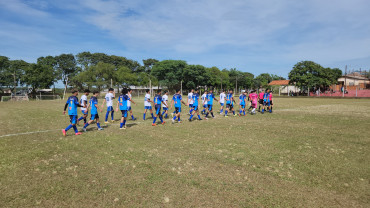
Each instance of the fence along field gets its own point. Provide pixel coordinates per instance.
(309, 152)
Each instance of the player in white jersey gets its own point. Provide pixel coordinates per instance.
(109, 100)
(204, 101)
(83, 102)
(165, 100)
(190, 100)
(129, 94)
(147, 105)
(222, 100)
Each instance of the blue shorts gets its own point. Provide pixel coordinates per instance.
(190, 105)
(157, 109)
(124, 113)
(94, 116)
(165, 109)
(221, 104)
(148, 107)
(266, 103)
(229, 106)
(178, 110)
(128, 108)
(210, 107)
(110, 108)
(243, 106)
(85, 112)
(195, 107)
(73, 119)
(204, 106)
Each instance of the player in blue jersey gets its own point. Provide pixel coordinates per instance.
(195, 98)
(93, 104)
(83, 102)
(147, 105)
(230, 103)
(123, 100)
(72, 104)
(177, 100)
(266, 100)
(158, 100)
(242, 102)
(210, 97)
(165, 104)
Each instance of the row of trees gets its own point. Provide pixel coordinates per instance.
(98, 70)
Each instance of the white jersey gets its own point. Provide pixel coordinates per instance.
(109, 98)
(164, 99)
(190, 98)
(146, 102)
(83, 101)
(222, 98)
(129, 101)
(204, 99)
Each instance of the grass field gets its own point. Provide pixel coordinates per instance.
(308, 153)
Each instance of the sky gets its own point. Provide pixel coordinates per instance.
(254, 36)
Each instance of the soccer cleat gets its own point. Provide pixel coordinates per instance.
(189, 119)
(64, 132)
(200, 119)
(123, 127)
(84, 129)
(205, 118)
(112, 121)
(100, 129)
(154, 124)
(173, 121)
(179, 122)
(234, 115)
(134, 119)
(226, 116)
(78, 133)
(106, 122)
(163, 122)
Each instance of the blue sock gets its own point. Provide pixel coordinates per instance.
(85, 121)
(120, 125)
(160, 117)
(75, 128)
(106, 116)
(207, 114)
(199, 117)
(221, 111)
(191, 110)
(234, 112)
(240, 111)
(225, 112)
(155, 118)
(69, 127)
(152, 115)
(178, 118)
(98, 124)
(132, 116)
(191, 117)
(144, 116)
(263, 109)
(86, 125)
(80, 118)
(244, 112)
(212, 114)
(112, 115)
(124, 122)
(174, 118)
(166, 116)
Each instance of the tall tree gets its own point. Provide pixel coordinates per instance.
(169, 72)
(17, 68)
(306, 74)
(38, 76)
(66, 66)
(5, 73)
(148, 64)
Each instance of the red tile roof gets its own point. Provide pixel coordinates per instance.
(279, 82)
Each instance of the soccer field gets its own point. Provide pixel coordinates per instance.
(308, 153)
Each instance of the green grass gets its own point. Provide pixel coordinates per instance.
(309, 152)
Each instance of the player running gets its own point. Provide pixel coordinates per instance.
(158, 100)
(109, 99)
(242, 101)
(83, 102)
(129, 94)
(195, 99)
(230, 103)
(222, 100)
(204, 101)
(260, 100)
(94, 111)
(123, 100)
(147, 105)
(177, 100)
(72, 104)
(210, 98)
(165, 104)
(190, 101)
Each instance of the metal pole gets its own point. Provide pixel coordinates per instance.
(150, 87)
(65, 88)
(345, 80)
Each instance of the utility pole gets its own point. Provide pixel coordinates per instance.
(236, 84)
(345, 81)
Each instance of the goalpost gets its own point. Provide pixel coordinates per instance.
(48, 97)
(14, 98)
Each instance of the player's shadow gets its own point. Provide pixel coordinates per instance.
(131, 124)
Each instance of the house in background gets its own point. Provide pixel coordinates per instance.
(352, 81)
(284, 87)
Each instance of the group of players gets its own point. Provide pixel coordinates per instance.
(194, 101)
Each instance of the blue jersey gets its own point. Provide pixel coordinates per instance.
(177, 99)
(266, 97)
(195, 98)
(229, 97)
(210, 97)
(122, 102)
(158, 99)
(242, 99)
(93, 102)
(72, 105)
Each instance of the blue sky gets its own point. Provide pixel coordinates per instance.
(250, 35)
